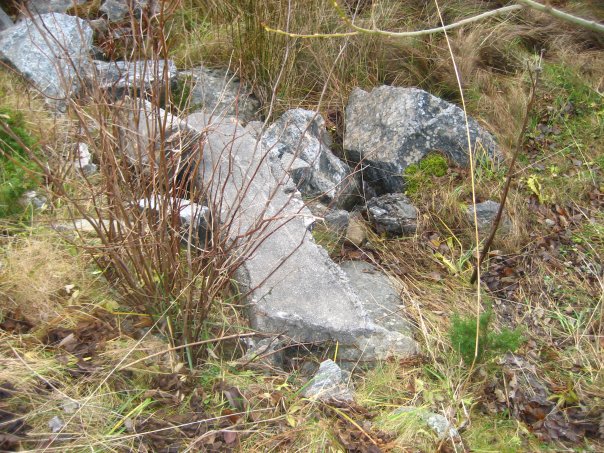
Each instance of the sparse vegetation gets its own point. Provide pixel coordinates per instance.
(95, 328)
(17, 172)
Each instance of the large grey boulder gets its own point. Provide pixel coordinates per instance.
(219, 92)
(133, 77)
(291, 284)
(52, 51)
(301, 142)
(393, 214)
(390, 128)
(378, 296)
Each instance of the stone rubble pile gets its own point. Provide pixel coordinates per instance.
(292, 286)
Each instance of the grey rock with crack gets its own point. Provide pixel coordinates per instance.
(220, 93)
(52, 50)
(301, 142)
(330, 383)
(390, 128)
(393, 214)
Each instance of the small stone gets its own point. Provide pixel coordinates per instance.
(114, 10)
(438, 423)
(485, 214)
(34, 199)
(56, 424)
(355, 233)
(70, 406)
(330, 383)
(550, 223)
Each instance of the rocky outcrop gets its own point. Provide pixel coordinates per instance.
(301, 142)
(390, 128)
(291, 284)
(393, 214)
(220, 93)
(52, 51)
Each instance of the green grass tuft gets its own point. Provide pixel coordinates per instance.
(463, 338)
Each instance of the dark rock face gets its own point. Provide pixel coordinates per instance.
(393, 214)
(220, 93)
(300, 140)
(52, 51)
(391, 128)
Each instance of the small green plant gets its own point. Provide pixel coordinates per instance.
(419, 175)
(463, 338)
(15, 168)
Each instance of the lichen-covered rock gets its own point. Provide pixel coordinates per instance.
(393, 214)
(391, 128)
(220, 93)
(301, 141)
(52, 50)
